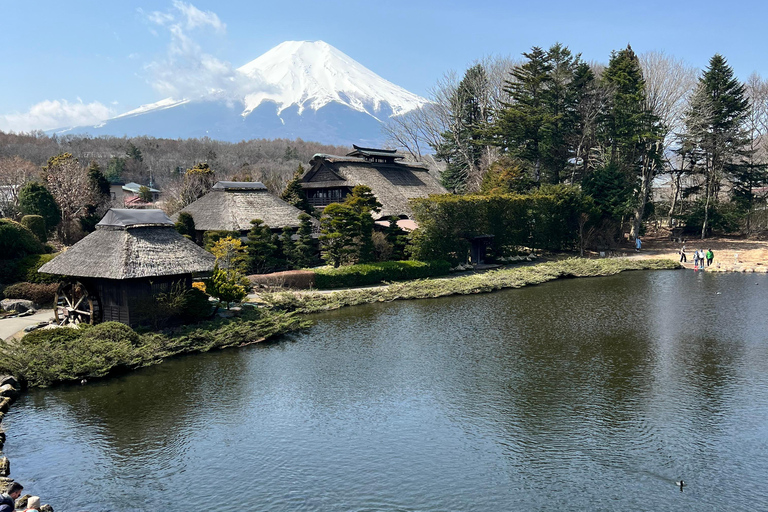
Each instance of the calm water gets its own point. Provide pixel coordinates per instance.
(588, 394)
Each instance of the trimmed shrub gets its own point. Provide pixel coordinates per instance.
(35, 199)
(375, 273)
(17, 241)
(185, 225)
(27, 269)
(301, 279)
(41, 294)
(36, 224)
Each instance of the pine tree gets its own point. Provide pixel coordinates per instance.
(715, 129)
(261, 248)
(630, 130)
(35, 199)
(398, 238)
(294, 193)
(538, 124)
(461, 146)
(288, 247)
(305, 250)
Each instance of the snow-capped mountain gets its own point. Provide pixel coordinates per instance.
(305, 89)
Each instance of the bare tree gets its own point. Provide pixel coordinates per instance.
(68, 182)
(15, 172)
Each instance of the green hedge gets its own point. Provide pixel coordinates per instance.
(49, 356)
(545, 219)
(375, 273)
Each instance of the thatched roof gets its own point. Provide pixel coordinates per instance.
(393, 183)
(131, 244)
(232, 205)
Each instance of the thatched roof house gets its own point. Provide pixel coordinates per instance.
(132, 255)
(232, 205)
(393, 182)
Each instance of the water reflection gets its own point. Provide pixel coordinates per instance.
(589, 394)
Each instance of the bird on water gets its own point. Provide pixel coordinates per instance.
(680, 484)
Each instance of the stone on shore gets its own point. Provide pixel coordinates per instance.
(9, 391)
(17, 305)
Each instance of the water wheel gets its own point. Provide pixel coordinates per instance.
(76, 305)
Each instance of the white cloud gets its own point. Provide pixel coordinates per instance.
(49, 114)
(187, 71)
(195, 18)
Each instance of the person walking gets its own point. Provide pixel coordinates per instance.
(638, 244)
(696, 260)
(683, 258)
(710, 257)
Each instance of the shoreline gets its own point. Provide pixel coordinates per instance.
(486, 282)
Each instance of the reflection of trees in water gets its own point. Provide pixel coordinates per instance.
(158, 406)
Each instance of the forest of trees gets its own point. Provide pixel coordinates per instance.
(122, 159)
(617, 131)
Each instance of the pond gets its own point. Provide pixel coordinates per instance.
(583, 394)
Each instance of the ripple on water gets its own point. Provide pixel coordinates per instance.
(589, 394)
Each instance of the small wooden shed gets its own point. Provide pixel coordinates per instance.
(115, 272)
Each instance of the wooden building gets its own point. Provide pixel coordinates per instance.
(331, 178)
(232, 205)
(115, 272)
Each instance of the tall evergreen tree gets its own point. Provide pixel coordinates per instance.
(715, 128)
(294, 193)
(630, 130)
(462, 145)
(539, 123)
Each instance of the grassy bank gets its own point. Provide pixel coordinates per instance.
(515, 277)
(50, 356)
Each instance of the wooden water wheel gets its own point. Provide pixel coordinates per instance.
(76, 305)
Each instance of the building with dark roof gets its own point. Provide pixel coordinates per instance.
(331, 178)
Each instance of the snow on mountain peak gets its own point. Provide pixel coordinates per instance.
(312, 74)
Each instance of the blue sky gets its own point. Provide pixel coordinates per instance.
(72, 62)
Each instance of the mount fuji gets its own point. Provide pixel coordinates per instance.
(298, 89)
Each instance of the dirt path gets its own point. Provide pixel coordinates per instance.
(731, 254)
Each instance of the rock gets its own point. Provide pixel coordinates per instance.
(9, 379)
(17, 305)
(35, 327)
(5, 483)
(21, 502)
(5, 403)
(9, 391)
(46, 508)
(5, 466)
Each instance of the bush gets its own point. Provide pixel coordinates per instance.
(17, 241)
(41, 294)
(35, 199)
(65, 354)
(27, 269)
(301, 279)
(36, 224)
(374, 273)
(48, 356)
(185, 225)
(178, 305)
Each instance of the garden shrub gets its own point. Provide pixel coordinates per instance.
(27, 269)
(36, 224)
(374, 273)
(41, 294)
(17, 241)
